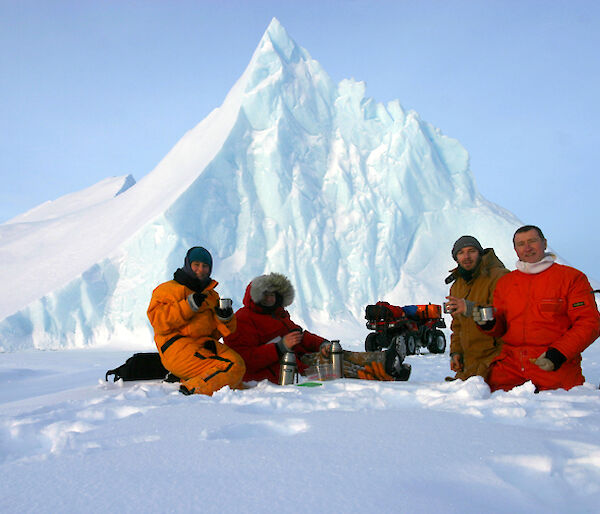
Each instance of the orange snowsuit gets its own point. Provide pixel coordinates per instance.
(552, 309)
(188, 340)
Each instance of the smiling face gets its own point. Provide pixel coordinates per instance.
(468, 258)
(200, 269)
(269, 298)
(530, 247)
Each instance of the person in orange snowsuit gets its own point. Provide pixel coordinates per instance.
(546, 314)
(188, 324)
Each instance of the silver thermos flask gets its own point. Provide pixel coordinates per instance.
(287, 369)
(337, 359)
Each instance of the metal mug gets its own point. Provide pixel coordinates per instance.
(225, 303)
(486, 313)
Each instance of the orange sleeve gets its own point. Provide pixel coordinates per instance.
(584, 316)
(168, 312)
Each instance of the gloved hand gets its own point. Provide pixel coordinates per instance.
(224, 313)
(550, 360)
(543, 362)
(195, 300)
(485, 324)
(476, 315)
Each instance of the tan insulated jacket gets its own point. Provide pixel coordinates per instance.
(477, 349)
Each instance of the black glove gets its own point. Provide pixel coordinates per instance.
(195, 300)
(224, 313)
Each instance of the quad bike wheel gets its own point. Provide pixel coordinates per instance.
(399, 344)
(411, 344)
(372, 343)
(436, 341)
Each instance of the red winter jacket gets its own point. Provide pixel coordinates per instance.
(255, 330)
(554, 308)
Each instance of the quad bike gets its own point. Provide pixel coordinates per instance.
(408, 328)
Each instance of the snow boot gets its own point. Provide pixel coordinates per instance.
(171, 378)
(394, 361)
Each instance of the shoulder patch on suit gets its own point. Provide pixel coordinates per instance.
(578, 304)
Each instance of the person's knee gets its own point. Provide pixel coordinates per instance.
(238, 368)
(229, 371)
(561, 379)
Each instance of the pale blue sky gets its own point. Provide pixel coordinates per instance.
(90, 89)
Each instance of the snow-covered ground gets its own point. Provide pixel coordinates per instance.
(71, 442)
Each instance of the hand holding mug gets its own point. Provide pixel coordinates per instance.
(292, 339)
(224, 310)
(325, 349)
(455, 305)
(482, 315)
(225, 303)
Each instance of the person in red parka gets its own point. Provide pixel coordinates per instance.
(265, 332)
(546, 314)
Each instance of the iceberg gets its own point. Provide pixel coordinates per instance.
(354, 200)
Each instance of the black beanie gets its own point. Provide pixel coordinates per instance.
(197, 254)
(463, 242)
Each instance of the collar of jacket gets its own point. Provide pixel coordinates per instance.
(467, 276)
(533, 268)
(181, 277)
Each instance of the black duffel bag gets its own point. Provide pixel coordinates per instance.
(140, 366)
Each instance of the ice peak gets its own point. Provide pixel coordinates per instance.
(282, 81)
(276, 50)
(279, 38)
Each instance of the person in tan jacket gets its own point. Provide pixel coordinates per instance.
(188, 323)
(475, 277)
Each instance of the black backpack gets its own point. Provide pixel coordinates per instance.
(140, 366)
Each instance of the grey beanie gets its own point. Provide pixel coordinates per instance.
(463, 242)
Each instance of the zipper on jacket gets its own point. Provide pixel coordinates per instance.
(526, 316)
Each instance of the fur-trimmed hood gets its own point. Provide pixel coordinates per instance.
(275, 282)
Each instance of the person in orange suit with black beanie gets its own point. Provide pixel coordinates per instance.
(188, 323)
